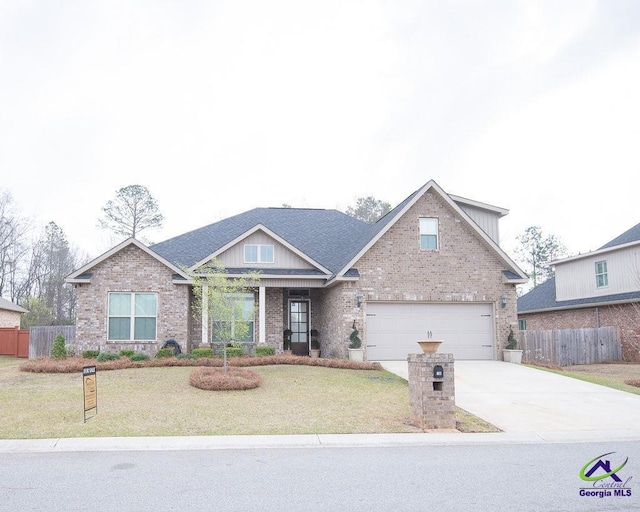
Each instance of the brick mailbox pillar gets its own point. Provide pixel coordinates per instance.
(431, 391)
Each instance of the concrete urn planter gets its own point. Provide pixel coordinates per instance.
(512, 356)
(356, 354)
(430, 346)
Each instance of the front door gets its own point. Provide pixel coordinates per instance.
(299, 325)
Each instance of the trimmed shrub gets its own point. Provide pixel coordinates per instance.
(71, 350)
(126, 352)
(216, 379)
(90, 354)
(165, 352)
(58, 351)
(202, 352)
(265, 350)
(187, 356)
(107, 356)
(137, 356)
(235, 351)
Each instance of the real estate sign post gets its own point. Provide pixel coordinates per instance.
(90, 390)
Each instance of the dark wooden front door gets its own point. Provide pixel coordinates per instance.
(299, 325)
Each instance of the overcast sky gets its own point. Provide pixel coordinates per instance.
(220, 107)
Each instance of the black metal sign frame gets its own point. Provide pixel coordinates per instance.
(90, 390)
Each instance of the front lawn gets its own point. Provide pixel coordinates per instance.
(158, 401)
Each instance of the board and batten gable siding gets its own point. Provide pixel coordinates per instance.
(488, 221)
(464, 268)
(576, 279)
(131, 270)
(283, 257)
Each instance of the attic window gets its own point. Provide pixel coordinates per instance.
(254, 253)
(602, 278)
(428, 233)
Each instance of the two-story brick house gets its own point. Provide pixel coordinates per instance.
(596, 289)
(432, 266)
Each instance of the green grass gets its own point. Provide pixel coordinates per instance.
(602, 380)
(160, 402)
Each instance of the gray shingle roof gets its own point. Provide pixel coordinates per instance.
(329, 237)
(631, 235)
(543, 297)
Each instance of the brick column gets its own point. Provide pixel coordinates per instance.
(432, 397)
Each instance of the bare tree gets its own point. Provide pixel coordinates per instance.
(13, 246)
(44, 286)
(537, 251)
(132, 211)
(368, 209)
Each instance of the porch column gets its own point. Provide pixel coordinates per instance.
(262, 338)
(205, 314)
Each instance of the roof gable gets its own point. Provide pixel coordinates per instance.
(323, 237)
(385, 223)
(273, 237)
(83, 274)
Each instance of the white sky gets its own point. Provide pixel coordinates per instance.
(220, 107)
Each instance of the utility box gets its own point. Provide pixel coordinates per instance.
(432, 391)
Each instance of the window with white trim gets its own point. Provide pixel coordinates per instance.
(602, 278)
(428, 233)
(240, 311)
(132, 316)
(257, 253)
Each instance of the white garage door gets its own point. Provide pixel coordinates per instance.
(394, 328)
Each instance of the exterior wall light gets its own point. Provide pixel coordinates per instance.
(359, 297)
(504, 300)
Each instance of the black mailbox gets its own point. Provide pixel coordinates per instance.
(438, 373)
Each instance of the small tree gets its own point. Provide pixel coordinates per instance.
(133, 210)
(225, 300)
(58, 351)
(354, 339)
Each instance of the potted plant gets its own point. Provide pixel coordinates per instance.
(356, 352)
(315, 344)
(510, 353)
(286, 342)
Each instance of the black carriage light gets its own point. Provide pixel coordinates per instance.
(504, 300)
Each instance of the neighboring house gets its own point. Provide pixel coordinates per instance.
(596, 289)
(431, 266)
(10, 313)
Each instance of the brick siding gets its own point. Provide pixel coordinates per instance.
(131, 270)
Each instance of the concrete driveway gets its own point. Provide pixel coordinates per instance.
(519, 399)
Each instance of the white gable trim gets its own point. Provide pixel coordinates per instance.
(433, 185)
(267, 231)
(73, 278)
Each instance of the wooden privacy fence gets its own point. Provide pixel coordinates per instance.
(14, 342)
(571, 346)
(41, 339)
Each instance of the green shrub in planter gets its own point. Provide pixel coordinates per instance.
(265, 350)
(90, 354)
(58, 351)
(165, 352)
(127, 352)
(202, 352)
(235, 351)
(137, 356)
(107, 356)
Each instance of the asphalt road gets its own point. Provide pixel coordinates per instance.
(495, 477)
